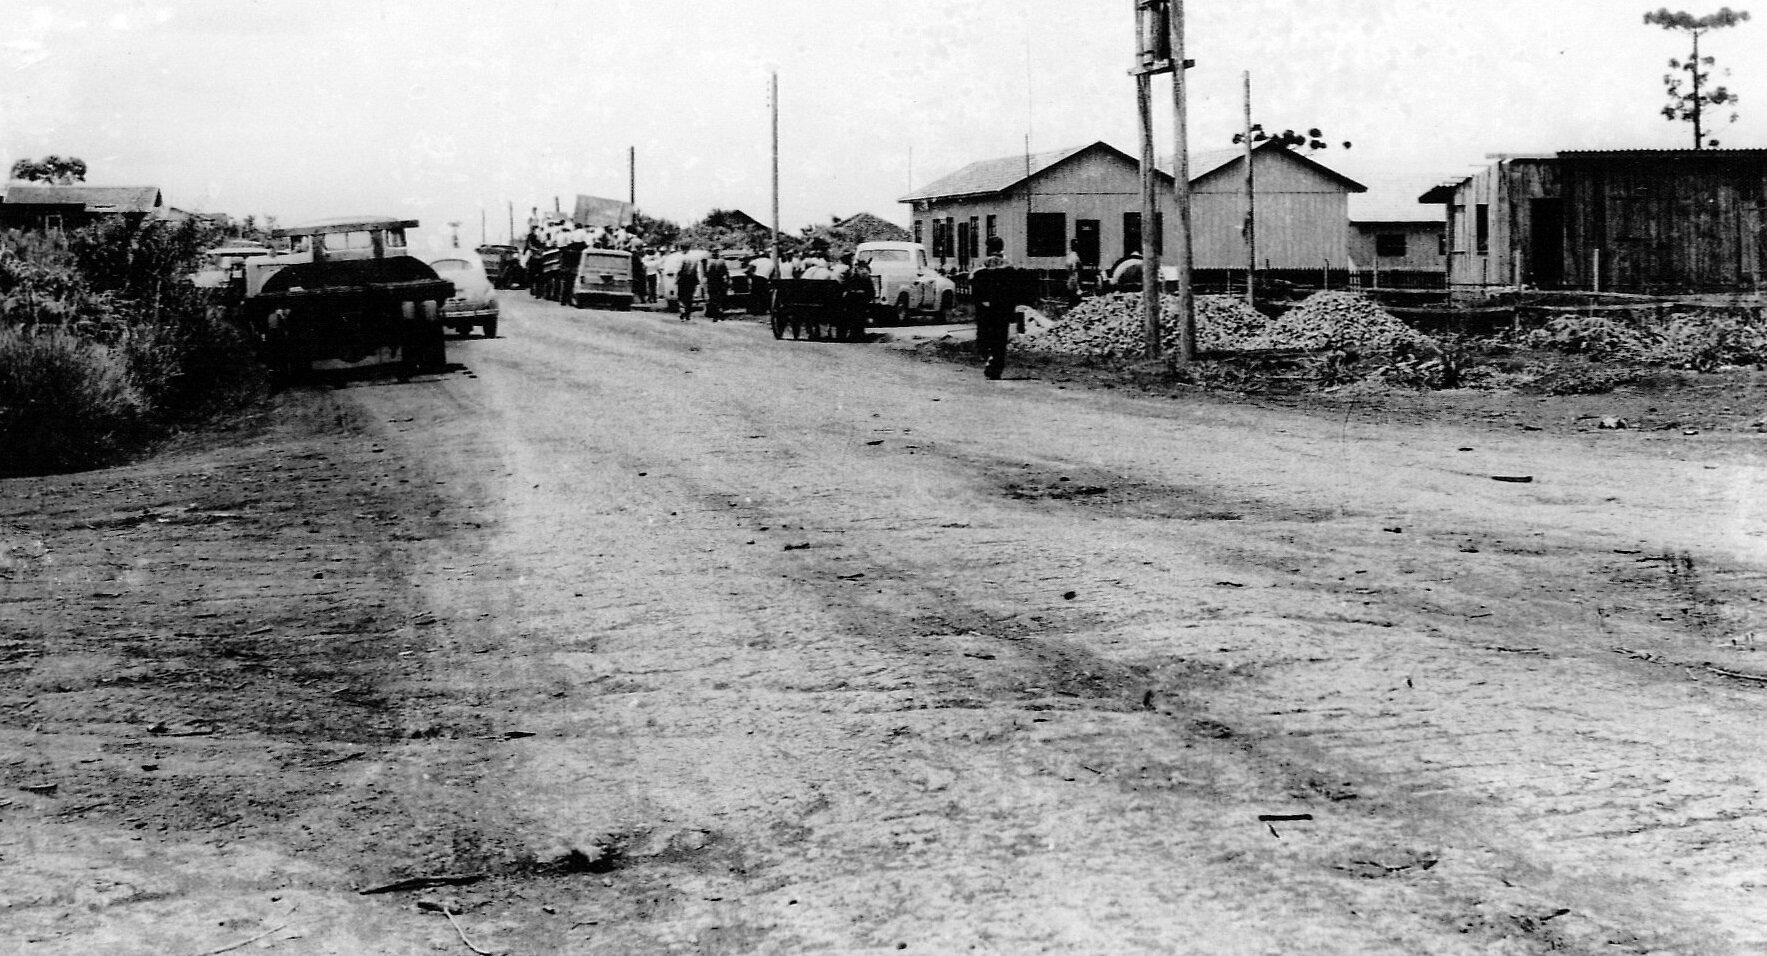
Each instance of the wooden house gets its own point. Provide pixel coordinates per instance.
(1041, 202)
(1645, 221)
(1398, 243)
(50, 207)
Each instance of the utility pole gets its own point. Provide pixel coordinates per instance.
(1251, 203)
(1159, 48)
(484, 239)
(1182, 255)
(1150, 41)
(773, 100)
(511, 221)
(632, 176)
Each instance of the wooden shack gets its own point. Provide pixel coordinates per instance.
(1643, 221)
(1664, 221)
(52, 207)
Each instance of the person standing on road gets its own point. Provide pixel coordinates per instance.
(717, 284)
(997, 290)
(640, 277)
(686, 285)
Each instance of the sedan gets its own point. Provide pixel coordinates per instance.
(474, 302)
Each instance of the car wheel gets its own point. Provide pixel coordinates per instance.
(903, 313)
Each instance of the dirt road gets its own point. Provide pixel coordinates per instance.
(629, 636)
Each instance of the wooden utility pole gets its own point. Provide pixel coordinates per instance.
(632, 176)
(1182, 254)
(1251, 203)
(773, 99)
(511, 222)
(1151, 39)
(484, 238)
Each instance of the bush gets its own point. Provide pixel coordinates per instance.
(107, 342)
(65, 403)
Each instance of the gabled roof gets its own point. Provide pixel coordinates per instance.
(116, 199)
(998, 175)
(1214, 160)
(869, 227)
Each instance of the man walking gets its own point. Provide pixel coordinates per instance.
(686, 285)
(717, 284)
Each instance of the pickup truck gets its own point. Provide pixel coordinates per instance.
(906, 282)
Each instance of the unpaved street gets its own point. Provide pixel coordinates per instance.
(630, 636)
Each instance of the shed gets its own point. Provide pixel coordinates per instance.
(42, 206)
(1644, 221)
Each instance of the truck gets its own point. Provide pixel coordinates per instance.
(907, 284)
(347, 293)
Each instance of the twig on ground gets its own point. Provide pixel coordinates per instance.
(245, 942)
(462, 934)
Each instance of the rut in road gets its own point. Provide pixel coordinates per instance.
(825, 642)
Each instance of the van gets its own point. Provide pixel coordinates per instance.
(604, 279)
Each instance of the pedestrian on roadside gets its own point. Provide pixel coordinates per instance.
(687, 285)
(997, 290)
(717, 284)
(640, 276)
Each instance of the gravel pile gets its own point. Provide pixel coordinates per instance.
(1110, 325)
(1344, 321)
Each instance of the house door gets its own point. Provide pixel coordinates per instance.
(1546, 245)
(1086, 234)
(1751, 245)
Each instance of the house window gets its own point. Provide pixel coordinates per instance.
(1046, 234)
(1132, 233)
(1389, 245)
(992, 223)
(917, 239)
(1482, 228)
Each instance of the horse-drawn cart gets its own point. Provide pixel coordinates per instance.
(819, 310)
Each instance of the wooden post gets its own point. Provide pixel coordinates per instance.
(1251, 204)
(511, 222)
(632, 175)
(1181, 253)
(773, 97)
(1150, 200)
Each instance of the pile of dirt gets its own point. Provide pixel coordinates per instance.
(1344, 322)
(1110, 325)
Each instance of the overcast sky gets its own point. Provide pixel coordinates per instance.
(442, 109)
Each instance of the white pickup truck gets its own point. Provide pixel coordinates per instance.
(906, 282)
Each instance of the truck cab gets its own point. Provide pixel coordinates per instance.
(905, 280)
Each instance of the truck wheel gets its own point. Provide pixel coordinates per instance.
(490, 328)
(945, 303)
(903, 313)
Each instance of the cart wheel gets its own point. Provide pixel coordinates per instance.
(778, 326)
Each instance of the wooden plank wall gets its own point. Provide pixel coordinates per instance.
(1692, 224)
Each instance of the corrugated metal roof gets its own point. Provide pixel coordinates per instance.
(1664, 152)
(997, 175)
(126, 199)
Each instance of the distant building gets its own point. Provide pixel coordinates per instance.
(50, 207)
(1041, 202)
(1645, 221)
(865, 227)
(1398, 245)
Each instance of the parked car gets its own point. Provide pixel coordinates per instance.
(474, 302)
(603, 278)
(503, 265)
(906, 281)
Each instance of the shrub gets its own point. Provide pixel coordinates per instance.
(65, 403)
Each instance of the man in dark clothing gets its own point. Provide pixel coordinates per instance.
(686, 285)
(997, 290)
(639, 282)
(717, 284)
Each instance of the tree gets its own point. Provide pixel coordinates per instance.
(1687, 83)
(1312, 140)
(51, 169)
